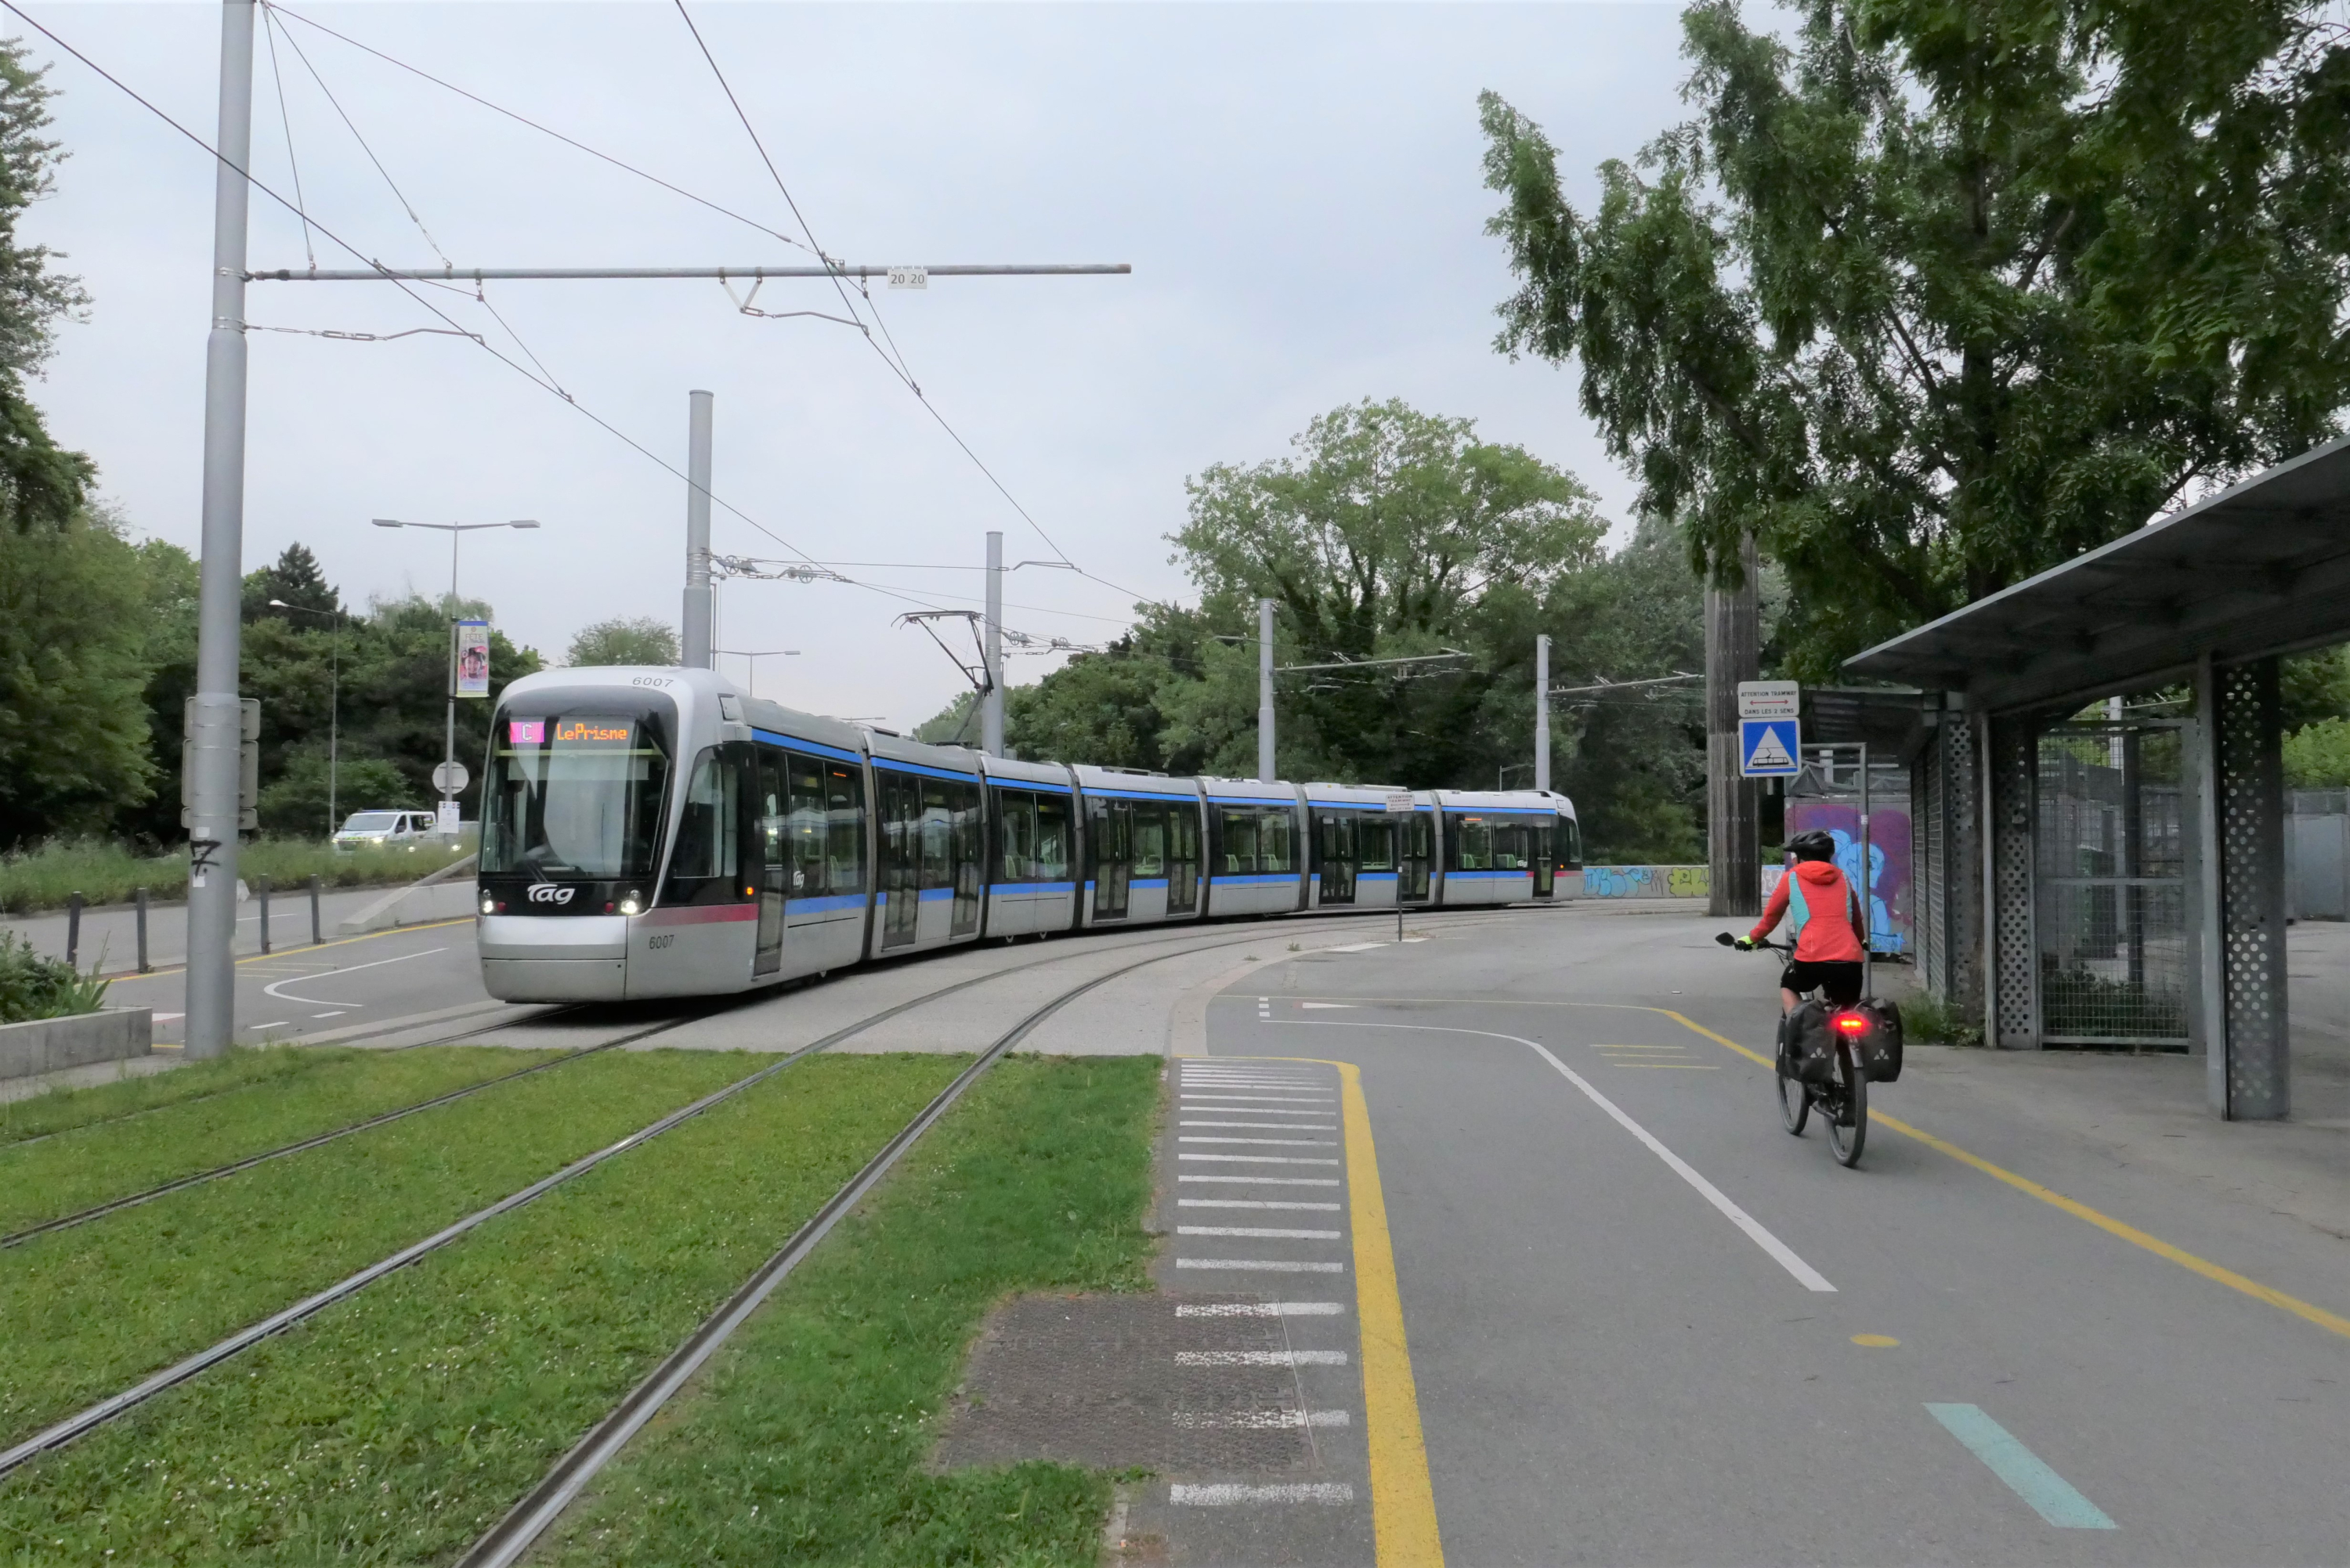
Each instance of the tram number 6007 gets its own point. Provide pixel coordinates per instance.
(656, 943)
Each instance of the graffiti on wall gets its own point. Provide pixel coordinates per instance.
(1889, 860)
(1647, 881)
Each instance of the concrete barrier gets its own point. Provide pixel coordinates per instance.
(47, 1045)
(438, 896)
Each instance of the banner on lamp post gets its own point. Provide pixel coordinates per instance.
(473, 659)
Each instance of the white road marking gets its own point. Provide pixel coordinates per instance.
(1327, 1006)
(336, 1014)
(1258, 1159)
(271, 988)
(168, 1017)
(1248, 1203)
(1269, 1142)
(1266, 1099)
(1268, 1230)
(1267, 1180)
(1268, 1265)
(1259, 1420)
(1356, 947)
(1260, 1358)
(1228, 1495)
(1780, 1252)
(1261, 1309)
(281, 1024)
(1270, 1127)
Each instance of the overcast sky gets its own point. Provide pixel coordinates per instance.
(1296, 187)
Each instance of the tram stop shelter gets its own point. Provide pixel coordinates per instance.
(2119, 881)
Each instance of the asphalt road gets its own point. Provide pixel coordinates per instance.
(1609, 1365)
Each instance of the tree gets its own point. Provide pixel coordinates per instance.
(293, 804)
(1937, 296)
(640, 639)
(297, 580)
(40, 482)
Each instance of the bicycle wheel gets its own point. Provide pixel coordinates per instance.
(1794, 1099)
(1848, 1118)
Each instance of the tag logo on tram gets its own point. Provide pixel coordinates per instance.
(550, 893)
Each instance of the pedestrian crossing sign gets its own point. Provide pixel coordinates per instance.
(1767, 748)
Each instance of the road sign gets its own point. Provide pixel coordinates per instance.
(449, 777)
(1768, 748)
(447, 826)
(1769, 698)
(1400, 800)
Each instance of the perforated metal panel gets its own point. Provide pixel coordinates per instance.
(2015, 978)
(1962, 905)
(1929, 839)
(2251, 810)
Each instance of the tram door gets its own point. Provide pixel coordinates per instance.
(768, 852)
(1336, 835)
(1113, 856)
(1182, 859)
(1545, 864)
(970, 861)
(901, 856)
(1418, 854)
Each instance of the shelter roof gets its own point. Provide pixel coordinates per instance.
(2262, 568)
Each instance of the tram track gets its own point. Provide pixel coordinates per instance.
(66, 1431)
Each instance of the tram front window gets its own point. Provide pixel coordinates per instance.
(573, 796)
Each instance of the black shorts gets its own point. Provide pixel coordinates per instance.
(1840, 982)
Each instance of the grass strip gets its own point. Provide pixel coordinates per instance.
(61, 1110)
(104, 872)
(806, 1440)
(91, 1165)
(90, 1311)
(395, 1426)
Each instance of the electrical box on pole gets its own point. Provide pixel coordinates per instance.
(248, 763)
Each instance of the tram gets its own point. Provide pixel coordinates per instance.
(655, 832)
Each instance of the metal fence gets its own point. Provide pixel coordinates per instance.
(2110, 875)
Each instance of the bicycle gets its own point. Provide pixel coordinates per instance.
(1843, 1099)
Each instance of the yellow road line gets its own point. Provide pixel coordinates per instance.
(1403, 1503)
(286, 955)
(2332, 1321)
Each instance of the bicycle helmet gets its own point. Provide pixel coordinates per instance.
(1812, 846)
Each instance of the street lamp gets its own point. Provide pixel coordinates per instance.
(756, 656)
(333, 700)
(455, 532)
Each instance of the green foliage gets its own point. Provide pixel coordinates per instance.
(956, 724)
(1933, 297)
(295, 806)
(639, 640)
(1929, 1020)
(2317, 756)
(32, 986)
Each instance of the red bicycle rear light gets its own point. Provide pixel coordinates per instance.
(1852, 1022)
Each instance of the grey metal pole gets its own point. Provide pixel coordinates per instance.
(144, 967)
(699, 633)
(991, 720)
(1867, 910)
(335, 727)
(448, 741)
(261, 888)
(214, 748)
(1542, 713)
(1265, 691)
(73, 930)
(317, 934)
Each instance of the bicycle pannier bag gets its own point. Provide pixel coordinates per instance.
(1811, 1047)
(1880, 1048)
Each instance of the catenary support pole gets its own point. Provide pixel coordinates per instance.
(991, 718)
(448, 741)
(1541, 713)
(1265, 691)
(215, 746)
(698, 638)
(1733, 653)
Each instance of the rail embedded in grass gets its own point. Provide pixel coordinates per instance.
(91, 1311)
(805, 1440)
(397, 1423)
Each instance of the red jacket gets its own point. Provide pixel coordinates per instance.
(1820, 937)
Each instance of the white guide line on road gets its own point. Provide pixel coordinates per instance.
(1261, 1420)
(271, 988)
(1261, 1309)
(1260, 1358)
(1269, 1126)
(1250, 1203)
(1256, 1160)
(1781, 1253)
(1267, 1142)
(1267, 1180)
(1231, 1494)
(1262, 1265)
(1214, 1101)
(1277, 1232)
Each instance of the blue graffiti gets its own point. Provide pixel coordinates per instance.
(1882, 936)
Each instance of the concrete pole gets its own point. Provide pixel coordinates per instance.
(1733, 652)
(699, 640)
(1265, 691)
(991, 715)
(215, 747)
(449, 739)
(1541, 713)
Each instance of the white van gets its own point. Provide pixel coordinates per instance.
(385, 829)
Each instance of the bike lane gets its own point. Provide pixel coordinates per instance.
(1613, 1369)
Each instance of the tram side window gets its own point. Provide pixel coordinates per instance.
(1510, 852)
(970, 822)
(1052, 838)
(1570, 835)
(1149, 840)
(1240, 842)
(809, 830)
(1375, 843)
(1541, 835)
(1276, 851)
(1473, 845)
(1015, 854)
(706, 834)
(843, 798)
(937, 834)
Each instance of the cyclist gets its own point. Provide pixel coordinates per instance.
(1831, 932)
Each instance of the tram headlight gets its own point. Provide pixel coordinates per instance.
(634, 904)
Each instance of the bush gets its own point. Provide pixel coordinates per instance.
(109, 873)
(1930, 1020)
(34, 987)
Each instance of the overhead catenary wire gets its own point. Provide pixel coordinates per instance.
(286, 120)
